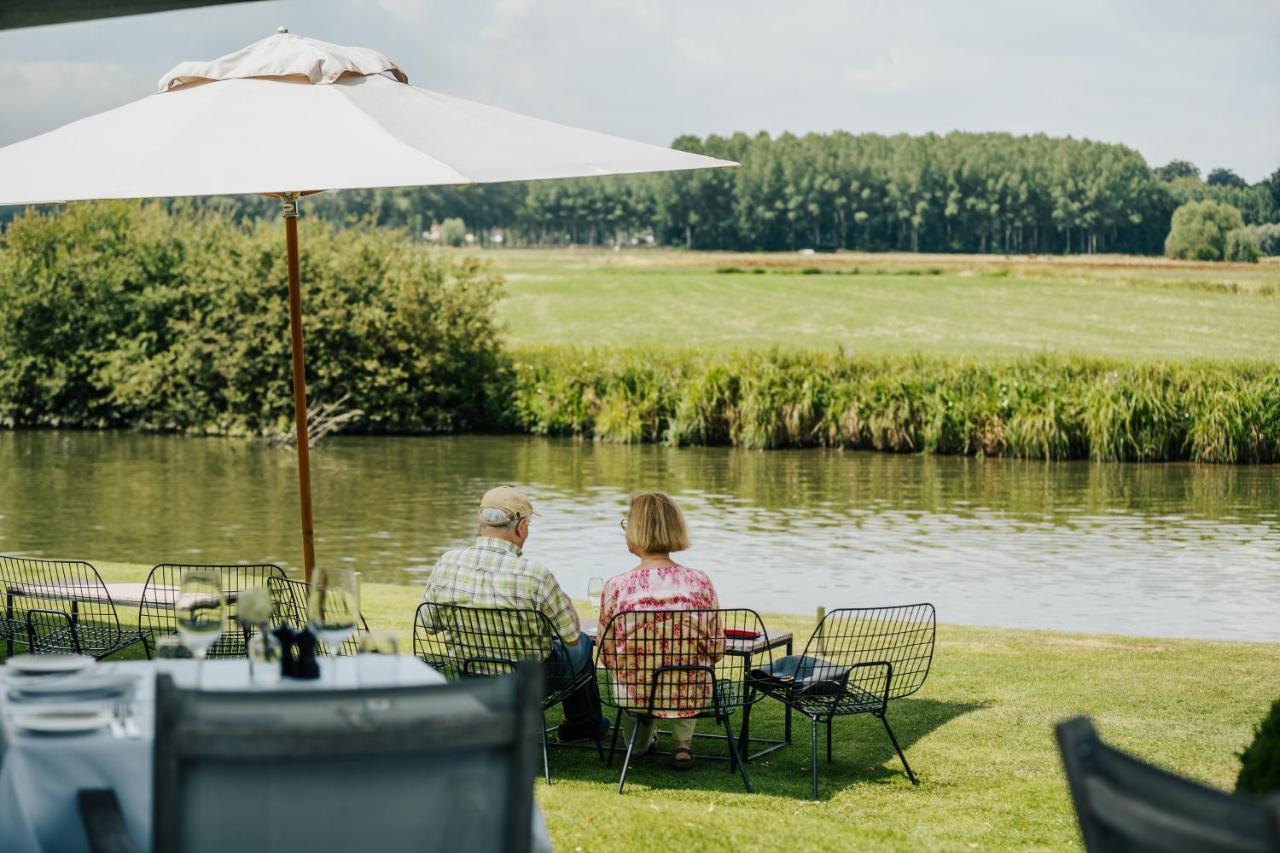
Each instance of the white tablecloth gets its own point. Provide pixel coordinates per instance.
(40, 774)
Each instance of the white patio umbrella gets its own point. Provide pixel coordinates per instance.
(288, 116)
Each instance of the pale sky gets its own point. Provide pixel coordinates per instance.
(1191, 80)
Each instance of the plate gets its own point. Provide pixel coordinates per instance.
(26, 686)
(48, 664)
(69, 720)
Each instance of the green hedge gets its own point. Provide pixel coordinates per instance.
(123, 314)
(1044, 407)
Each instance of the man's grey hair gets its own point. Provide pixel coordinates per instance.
(493, 518)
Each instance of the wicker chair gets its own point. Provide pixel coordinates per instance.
(60, 607)
(681, 663)
(156, 616)
(468, 642)
(856, 662)
(289, 598)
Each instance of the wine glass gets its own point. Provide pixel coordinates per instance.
(595, 587)
(333, 609)
(200, 609)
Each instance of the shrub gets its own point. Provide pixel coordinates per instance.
(1242, 246)
(1267, 238)
(1199, 231)
(453, 232)
(1260, 762)
(121, 314)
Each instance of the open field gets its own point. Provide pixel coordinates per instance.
(1112, 306)
(979, 735)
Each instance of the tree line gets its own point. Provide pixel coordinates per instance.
(959, 192)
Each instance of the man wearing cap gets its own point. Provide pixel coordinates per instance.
(493, 572)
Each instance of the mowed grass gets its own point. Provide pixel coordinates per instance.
(979, 735)
(1131, 308)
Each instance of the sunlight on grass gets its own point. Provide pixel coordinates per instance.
(979, 735)
(870, 304)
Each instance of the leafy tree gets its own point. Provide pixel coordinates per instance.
(1242, 245)
(1199, 231)
(453, 232)
(1226, 178)
(1178, 169)
(121, 314)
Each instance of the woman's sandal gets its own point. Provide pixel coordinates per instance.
(682, 758)
(653, 745)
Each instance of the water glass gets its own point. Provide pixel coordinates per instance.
(200, 610)
(377, 660)
(166, 651)
(595, 588)
(333, 608)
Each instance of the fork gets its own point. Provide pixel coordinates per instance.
(117, 722)
(122, 722)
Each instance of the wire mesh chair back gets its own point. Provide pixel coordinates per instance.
(463, 641)
(681, 663)
(156, 613)
(289, 601)
(902, 636)
(60, 606)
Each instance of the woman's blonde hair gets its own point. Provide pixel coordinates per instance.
(655, 524)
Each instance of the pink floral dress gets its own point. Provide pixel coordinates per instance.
(634, 647)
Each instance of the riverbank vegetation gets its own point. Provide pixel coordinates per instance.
(1047, 407)
(126, 315)
(120, 314)
(979, 734)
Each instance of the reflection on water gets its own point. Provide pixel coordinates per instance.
(1174, 550)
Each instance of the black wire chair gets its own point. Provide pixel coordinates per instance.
(681, 664)
(289, 599)
(469, 642)
(156, 616)
(857, 660)
(1124, 804)
(60, 607)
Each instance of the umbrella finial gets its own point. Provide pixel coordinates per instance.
(280, 30)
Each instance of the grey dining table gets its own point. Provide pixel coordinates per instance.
(40, 774)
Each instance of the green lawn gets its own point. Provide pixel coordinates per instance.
(947, 305)
(979, 735)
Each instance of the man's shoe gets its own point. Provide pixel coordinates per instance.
(569, 732)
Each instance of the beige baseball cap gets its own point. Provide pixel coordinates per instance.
(508, 499)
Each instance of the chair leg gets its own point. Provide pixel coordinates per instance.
(813, 749)
(829, 721)
(613, 745)
(546, 761)
(626, 761)
(735, 760)
(894, 740)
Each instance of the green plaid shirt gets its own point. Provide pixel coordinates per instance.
(492, 573)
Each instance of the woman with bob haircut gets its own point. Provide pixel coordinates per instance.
(655, 528)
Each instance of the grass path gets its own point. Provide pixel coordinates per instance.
(979, 735)
(895, 304)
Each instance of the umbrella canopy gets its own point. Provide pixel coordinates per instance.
(295, 114)
(290, 115)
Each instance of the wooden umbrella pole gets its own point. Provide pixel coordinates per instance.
(299, 382)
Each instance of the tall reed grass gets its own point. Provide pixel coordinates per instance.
(1046, 407)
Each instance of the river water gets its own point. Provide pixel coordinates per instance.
(1161, 550)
